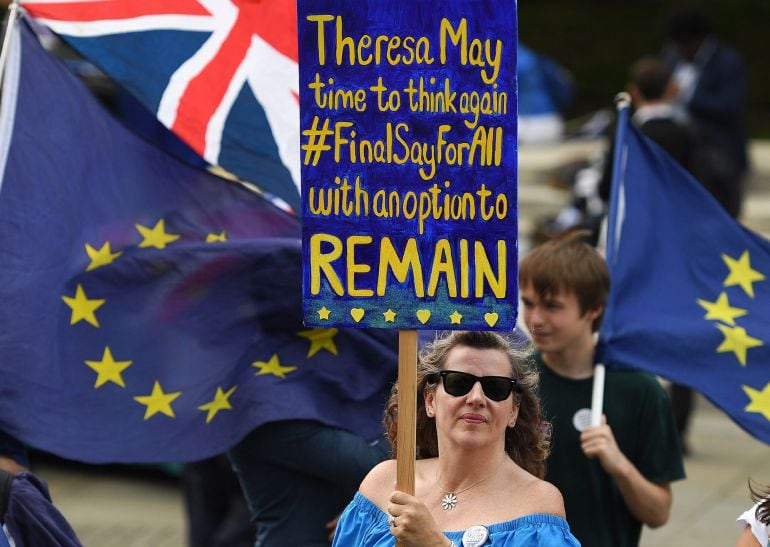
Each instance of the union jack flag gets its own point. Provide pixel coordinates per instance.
(221, 74)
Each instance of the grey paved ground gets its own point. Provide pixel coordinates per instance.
(115, 510)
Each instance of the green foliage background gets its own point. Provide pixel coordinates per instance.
(597, 40)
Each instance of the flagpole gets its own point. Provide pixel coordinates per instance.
(623, 104)
(407, 412)
(597, 393)
(13, 12)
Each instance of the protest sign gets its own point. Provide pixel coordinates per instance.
(408, 150)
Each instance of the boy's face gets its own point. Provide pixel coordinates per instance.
(555, 321)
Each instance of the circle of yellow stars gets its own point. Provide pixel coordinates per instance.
(109, 369)
(736, 339)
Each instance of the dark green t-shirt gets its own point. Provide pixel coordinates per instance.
(639, 413)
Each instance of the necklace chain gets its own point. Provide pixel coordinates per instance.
(449, 501)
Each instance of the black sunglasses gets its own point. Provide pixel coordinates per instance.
(497, 388)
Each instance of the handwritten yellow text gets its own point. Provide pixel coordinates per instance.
(336, 261)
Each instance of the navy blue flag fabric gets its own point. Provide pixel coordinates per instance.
(690, 286)
(150, 311)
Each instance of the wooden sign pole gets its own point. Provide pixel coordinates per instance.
(407, 410)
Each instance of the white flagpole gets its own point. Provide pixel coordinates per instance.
(622, 102)
(597, 396)
(13, 12)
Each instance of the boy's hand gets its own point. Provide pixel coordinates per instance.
(599, 442)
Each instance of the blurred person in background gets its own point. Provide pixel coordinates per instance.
(28, 516)
(545, 90)
(711, 80)
(755, 522)
(215, 509)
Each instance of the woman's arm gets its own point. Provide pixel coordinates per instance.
(747, 539)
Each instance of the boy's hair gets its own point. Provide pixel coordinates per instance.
(651, 76)
(568, 264)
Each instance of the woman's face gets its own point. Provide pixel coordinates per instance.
(473, 418)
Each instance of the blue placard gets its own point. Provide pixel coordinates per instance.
(408, 149)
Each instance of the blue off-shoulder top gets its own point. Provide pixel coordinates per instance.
(363, 524)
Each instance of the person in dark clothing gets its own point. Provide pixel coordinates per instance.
(615, 477)
(28, 516)
(217, 514)
(652, 93)
(711, 82)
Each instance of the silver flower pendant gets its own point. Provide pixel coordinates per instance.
(449, 501)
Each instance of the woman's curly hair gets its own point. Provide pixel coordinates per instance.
(527, 443)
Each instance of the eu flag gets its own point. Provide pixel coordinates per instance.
(149, 311)
(690, 288)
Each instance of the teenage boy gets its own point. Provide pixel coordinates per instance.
(614, 477)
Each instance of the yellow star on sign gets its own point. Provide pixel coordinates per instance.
(221, 236)
(741, 273)
(760, 400)
(273, 366)
(155, 236)
(324, 313)
(157, 401)
(390, 316)
(108, 369)
(721, 310)
(456, 317)
(83, 309)
(320, 339)
(220, 402)
(737, 341)
(100, 257)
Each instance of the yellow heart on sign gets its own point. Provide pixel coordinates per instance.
(423, 316)
(357, 314)
(491, 319)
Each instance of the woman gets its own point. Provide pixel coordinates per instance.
(481, 448)
(756, 521)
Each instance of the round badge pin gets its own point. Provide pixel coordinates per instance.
(582, 419)
(475, 536)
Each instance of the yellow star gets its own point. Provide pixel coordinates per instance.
(737, 341)
(157, 401)
(760, 400)
(273, 366)
(220, 402)
(100, 257)
(390, 316)
(456, 317)
(320, 339)
(221, 236)
(721, 310)
(83, 308)
(324, 313)
(155, 236)
(108, 369)
(741, 273)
